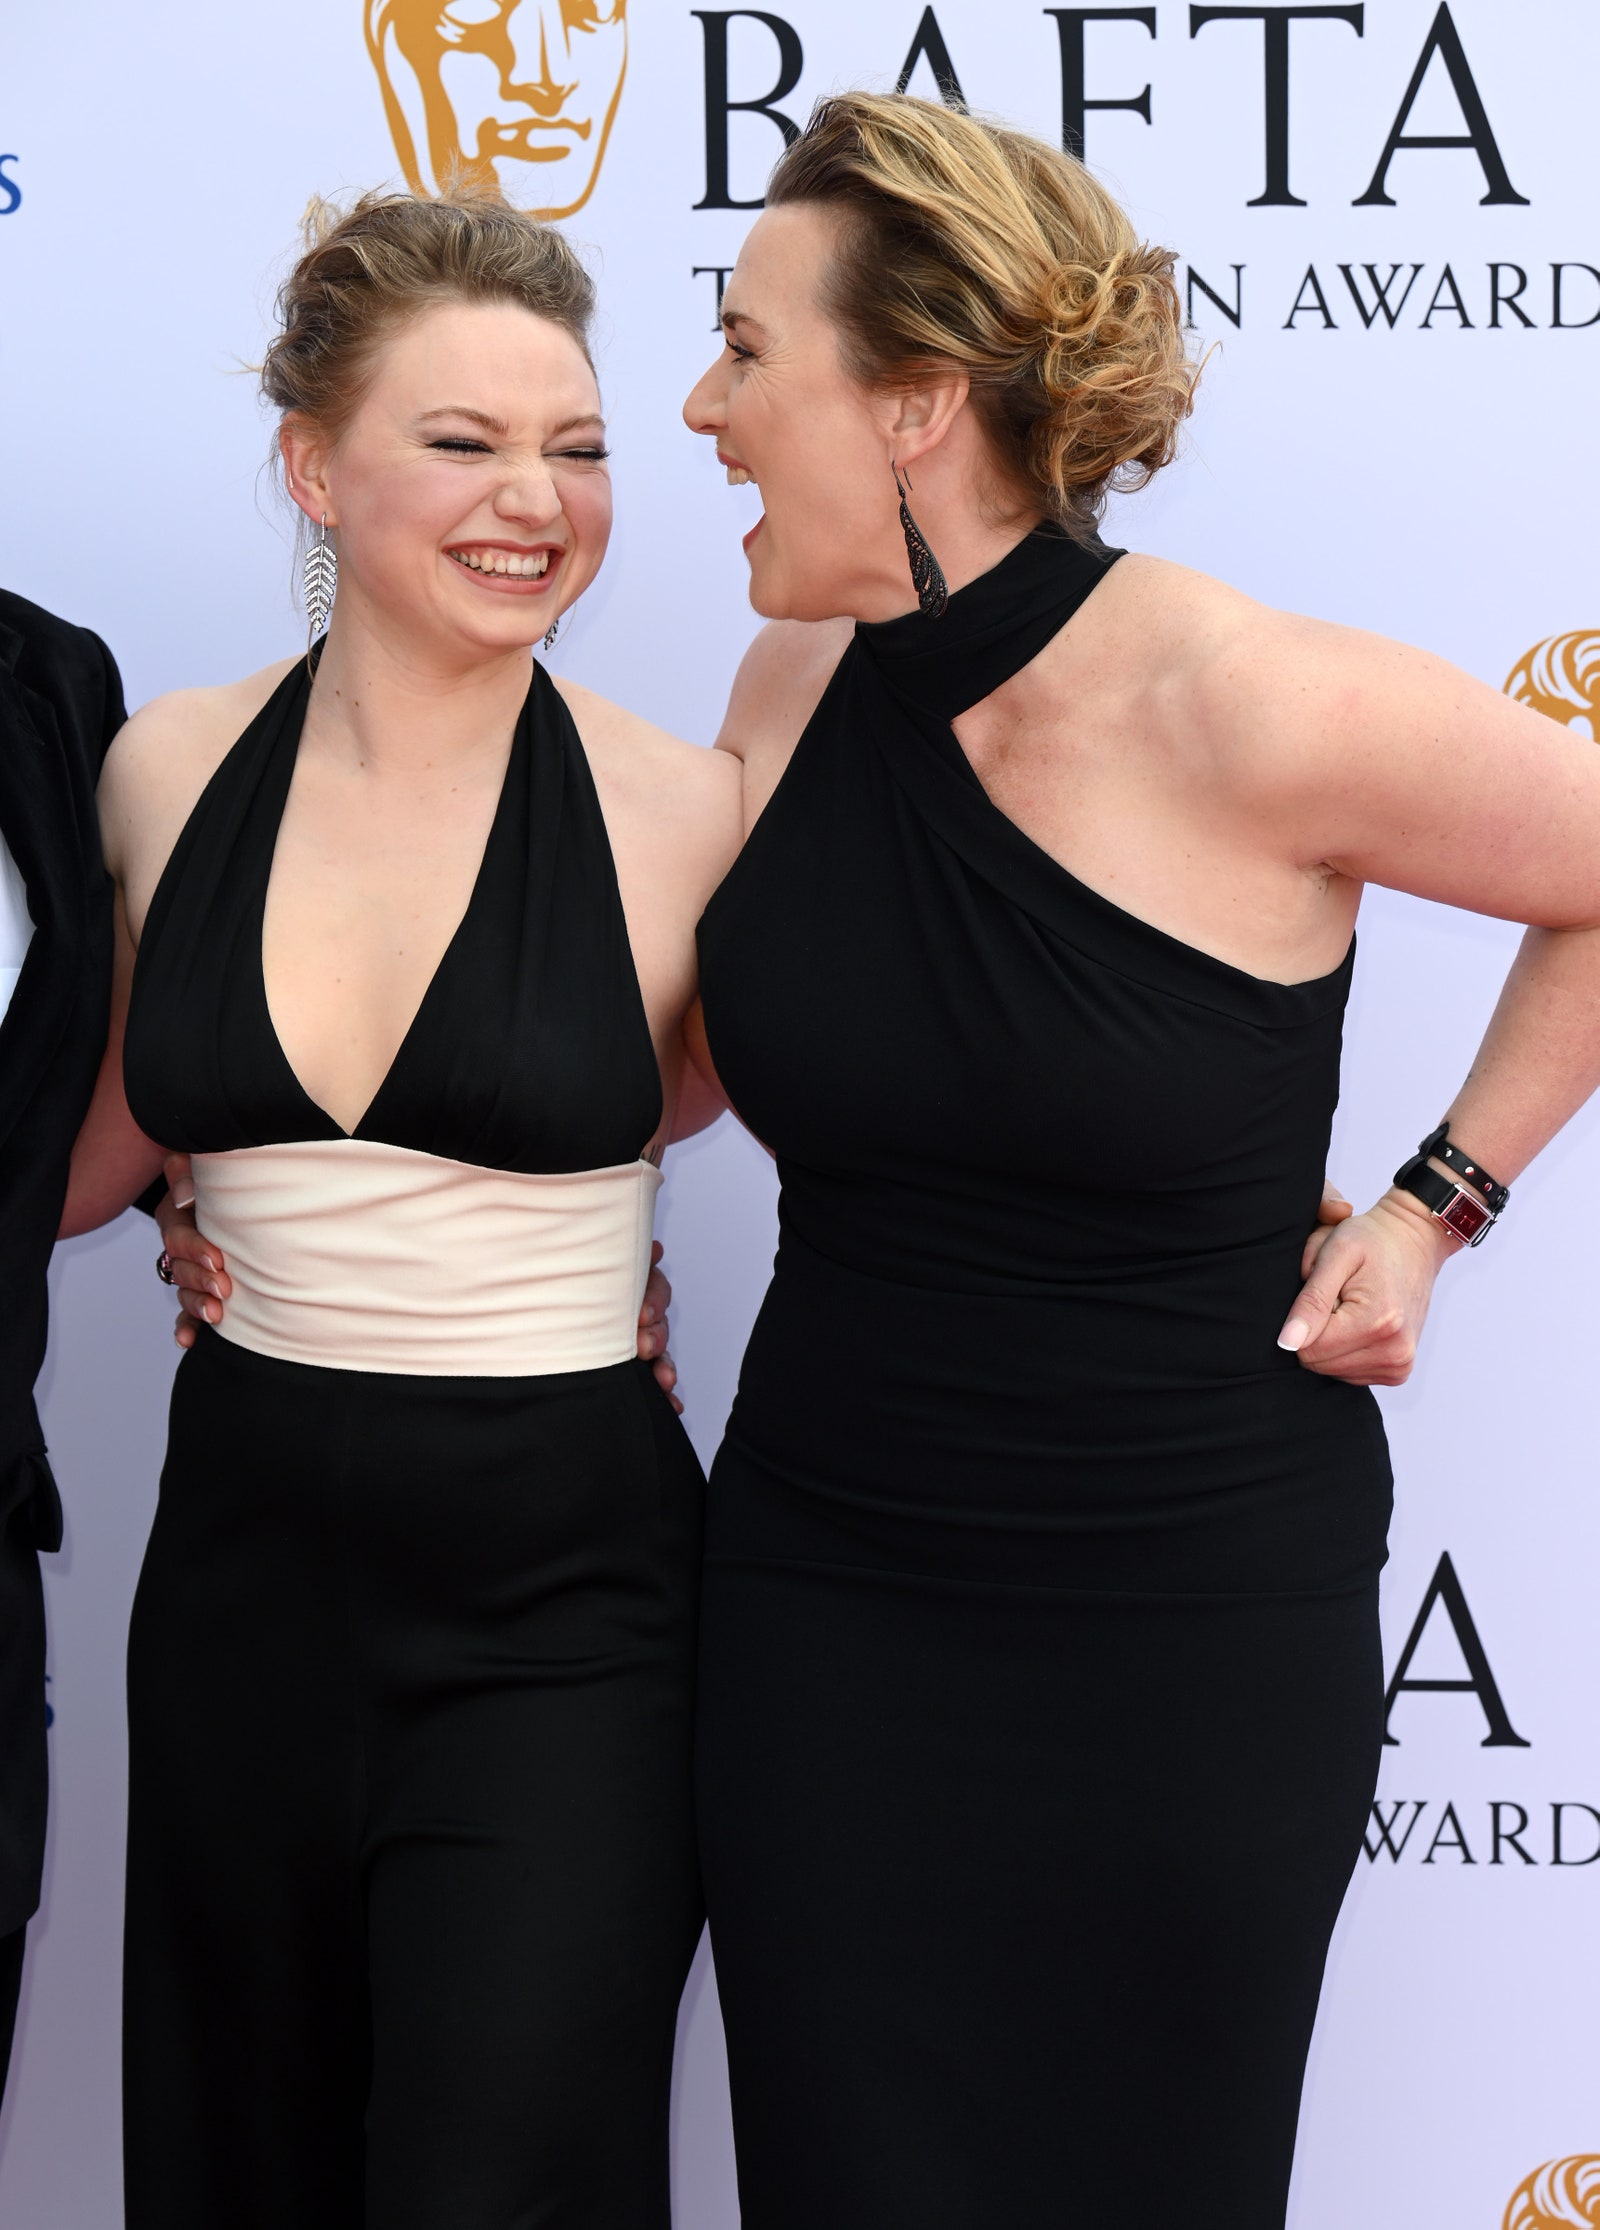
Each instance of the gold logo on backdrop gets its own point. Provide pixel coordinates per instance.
(1562, 2195)
(516, 92)
(1562, 678)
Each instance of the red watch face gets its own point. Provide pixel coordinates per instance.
(1464, 1216)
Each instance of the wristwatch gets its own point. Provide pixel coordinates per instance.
(1469, 1206)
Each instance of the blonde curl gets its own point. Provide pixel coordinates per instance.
(966, 246)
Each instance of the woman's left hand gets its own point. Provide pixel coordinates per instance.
(1369, 1280)
(195, 1267)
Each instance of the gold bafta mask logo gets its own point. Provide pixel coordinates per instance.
(520, 93)
(1562, 678)
(1562, 2195)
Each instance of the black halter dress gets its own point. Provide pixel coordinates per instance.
(1040, 1689)
(412, 1888)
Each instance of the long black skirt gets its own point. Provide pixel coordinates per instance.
(1020, 1893)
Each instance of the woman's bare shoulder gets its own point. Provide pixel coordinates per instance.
(1202, 653)
(658, 780)
(1274, 705)
(779, 684)
(1206, 626)
(633, 748)
(166, 754)
(1176, 608)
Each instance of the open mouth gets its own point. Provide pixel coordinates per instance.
(503, 566)
(740, 476)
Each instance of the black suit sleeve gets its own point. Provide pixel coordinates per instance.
(116, 710)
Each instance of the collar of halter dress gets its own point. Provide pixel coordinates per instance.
(360, 1256)
(990, 629)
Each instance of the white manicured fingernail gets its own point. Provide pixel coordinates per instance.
(1293, 1336)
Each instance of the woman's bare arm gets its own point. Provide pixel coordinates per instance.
(1392, 767)
(701, 1098)
(112, 1160)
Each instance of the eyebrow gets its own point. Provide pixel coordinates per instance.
(460, 410)
(498, 425)
(739, 317)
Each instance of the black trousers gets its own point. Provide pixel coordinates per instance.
(412, 1889)
(11, 1948)
(24, 1770)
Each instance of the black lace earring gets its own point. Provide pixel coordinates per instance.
(927, 574)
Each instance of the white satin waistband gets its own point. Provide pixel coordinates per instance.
(360, 1256)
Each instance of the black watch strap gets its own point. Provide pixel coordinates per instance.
(1464, 1170)
(1469, 1206)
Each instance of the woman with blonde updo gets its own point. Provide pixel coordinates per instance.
(1040, 1692)
(406, 944)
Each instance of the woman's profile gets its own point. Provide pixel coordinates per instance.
(406, 939)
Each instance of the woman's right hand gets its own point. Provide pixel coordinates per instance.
(198, 1270)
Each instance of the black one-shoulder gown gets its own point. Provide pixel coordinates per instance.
(1040, 1685)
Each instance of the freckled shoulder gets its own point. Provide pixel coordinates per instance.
(1237, 662)
(1192, 660)
(1173, 608)
(1259, 707)
(163, 758)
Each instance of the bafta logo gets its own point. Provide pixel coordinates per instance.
(519, 93)
(1562, 2195)
(1562, 678)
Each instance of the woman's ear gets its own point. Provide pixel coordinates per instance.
(304, 451)
(921, 417)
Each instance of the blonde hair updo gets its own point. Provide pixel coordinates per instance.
(972, 248)
(368, 269)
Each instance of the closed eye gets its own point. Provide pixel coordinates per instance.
(588, 456)
(458, 445)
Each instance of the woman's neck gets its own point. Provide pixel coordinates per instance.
(967, 513)
(389, 703)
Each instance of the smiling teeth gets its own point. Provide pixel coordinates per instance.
(739, 476)
(502, 561)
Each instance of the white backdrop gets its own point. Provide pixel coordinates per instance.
(1432, 479)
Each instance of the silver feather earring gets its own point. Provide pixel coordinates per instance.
(319, 583)
(555, 629)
